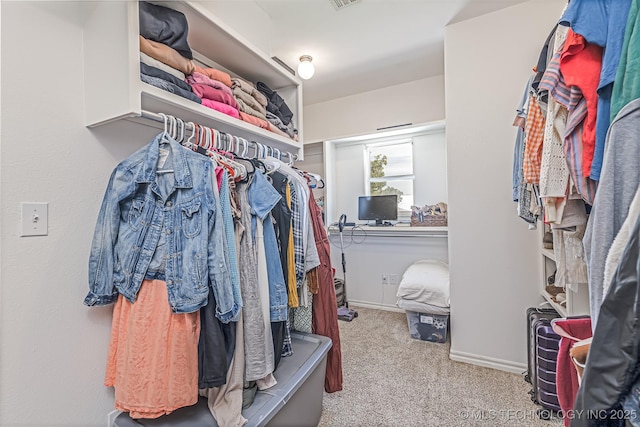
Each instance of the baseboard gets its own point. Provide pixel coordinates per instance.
(376, 306)
(488, 362)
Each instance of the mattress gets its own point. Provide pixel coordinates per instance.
(421, 307)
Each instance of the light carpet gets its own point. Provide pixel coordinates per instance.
(391, 379)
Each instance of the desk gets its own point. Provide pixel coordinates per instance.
(398, 230)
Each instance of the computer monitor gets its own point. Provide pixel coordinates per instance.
(378, 208)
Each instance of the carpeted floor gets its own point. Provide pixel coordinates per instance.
(391, 379)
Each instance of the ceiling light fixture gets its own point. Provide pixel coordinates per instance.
(305, 67)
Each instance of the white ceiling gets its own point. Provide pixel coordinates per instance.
(368, 45)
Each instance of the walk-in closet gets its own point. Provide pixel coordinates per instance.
(321, 213)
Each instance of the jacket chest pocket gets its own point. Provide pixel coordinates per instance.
(191, 219)
(136, 214)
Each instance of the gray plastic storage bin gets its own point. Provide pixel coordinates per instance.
(296, 400)
(427, 326)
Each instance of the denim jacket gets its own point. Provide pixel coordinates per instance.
(139, 205)
(262, 198)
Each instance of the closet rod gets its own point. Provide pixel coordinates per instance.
(158, 118)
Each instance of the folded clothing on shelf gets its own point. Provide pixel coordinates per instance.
(166, 26)
(169, 87)
(276, 104)
(167, 55)
(161, 74)
(214, 74)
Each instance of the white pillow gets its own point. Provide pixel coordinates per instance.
(426, 281)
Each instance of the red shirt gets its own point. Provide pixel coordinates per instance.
(580, 65)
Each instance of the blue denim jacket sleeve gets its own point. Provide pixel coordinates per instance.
(218, 262)
(102, 257)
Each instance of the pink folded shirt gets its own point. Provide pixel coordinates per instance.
(199, 78)
(215, 74)
(204, 91)
(222, 107)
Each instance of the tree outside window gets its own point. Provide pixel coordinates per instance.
(391, 172)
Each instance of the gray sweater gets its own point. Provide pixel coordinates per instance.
(618, 184)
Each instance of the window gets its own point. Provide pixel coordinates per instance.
(389, 170)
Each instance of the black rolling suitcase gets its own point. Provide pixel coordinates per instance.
(547, 345)
(541, 370)
(534, 314)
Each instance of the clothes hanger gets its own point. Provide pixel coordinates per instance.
(165, 135)
(188, 143)
(165, 132)
(289, 158)
(211, 144)
(271, 163)
(181, 130)
(245, 146)
(173, 127)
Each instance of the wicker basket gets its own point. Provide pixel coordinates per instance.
(429, 215)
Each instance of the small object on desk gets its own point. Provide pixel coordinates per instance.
(349, 224)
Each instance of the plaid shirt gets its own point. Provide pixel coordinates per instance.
(287, 348)
(298, 243)
(534, 136)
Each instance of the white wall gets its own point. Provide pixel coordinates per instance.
(369, 258)
(416, 102)
(494, 259)
(430, 168)
(247, 18)
(349, 183)
(53, 348)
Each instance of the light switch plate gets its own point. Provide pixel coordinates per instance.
(35, 219)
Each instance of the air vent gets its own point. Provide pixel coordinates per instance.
(341, 4)
(282, 63)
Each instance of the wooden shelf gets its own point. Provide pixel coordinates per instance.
(113, 90)
(562, 311)
(157, 100)
(549, 254)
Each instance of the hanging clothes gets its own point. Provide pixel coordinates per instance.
(141, 209)
(570, 128)
(534, 134)
(216, 347)
(614, 355)
(160, 216)
(580, 65)
(618, 184)
(554, 175)
(325, 315)
(263, 198)
(620, 242)
(518, 150)
(257, 365)
(282, 215)
(603, 23)
(225, 402)
(626, 87)
(153, 354)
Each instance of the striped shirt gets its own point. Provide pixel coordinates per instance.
(576, 104)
